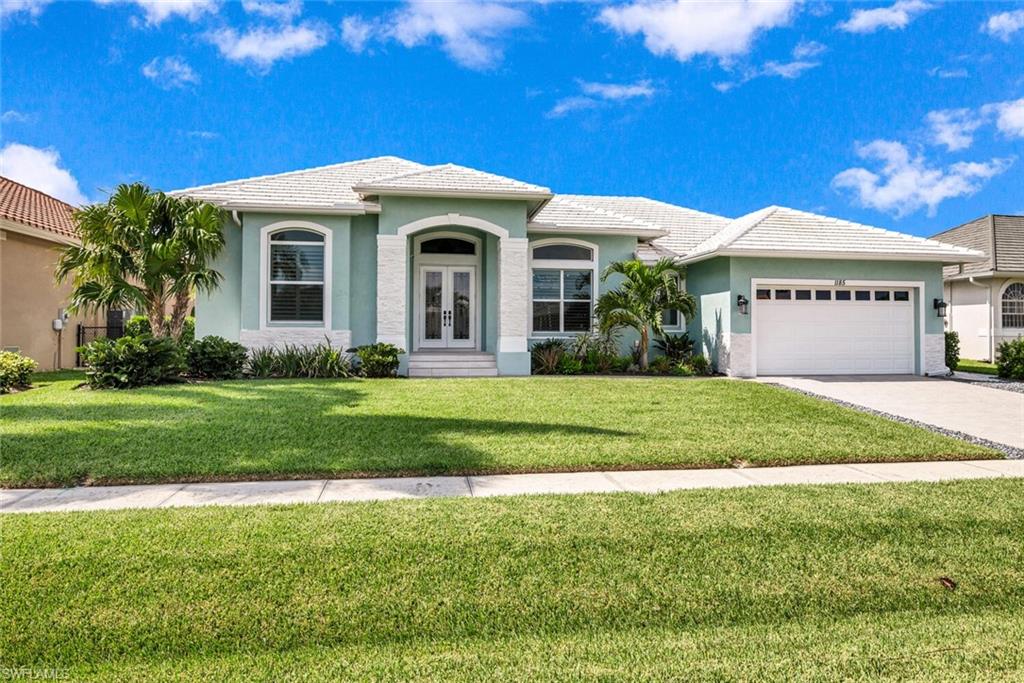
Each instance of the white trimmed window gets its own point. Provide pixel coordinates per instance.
(563, 281)
(673, 320)
(296, 277)
(1013, 306)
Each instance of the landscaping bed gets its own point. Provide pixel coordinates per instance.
(868, 582)
(56, 434)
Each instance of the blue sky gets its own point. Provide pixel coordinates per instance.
(906, 114)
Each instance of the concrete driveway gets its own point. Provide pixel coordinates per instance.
(987, 413)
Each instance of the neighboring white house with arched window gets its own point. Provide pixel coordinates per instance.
(985, 299)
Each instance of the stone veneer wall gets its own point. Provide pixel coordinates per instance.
(278, 337)
(934, 357)
(735, 357)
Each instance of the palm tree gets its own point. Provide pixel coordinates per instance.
(644, 294)
(144, 250)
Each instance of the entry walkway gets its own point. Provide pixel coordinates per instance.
(351, 490)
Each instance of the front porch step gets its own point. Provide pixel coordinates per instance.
(451, 364)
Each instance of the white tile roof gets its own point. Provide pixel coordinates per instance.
(322, 187)
(679, 228)
(451, 179)
(650, 252)
(779, 231)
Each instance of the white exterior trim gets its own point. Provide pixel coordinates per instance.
(452, 219)
(560, 264)
(755, 283)
(371, 191)
(265, 233)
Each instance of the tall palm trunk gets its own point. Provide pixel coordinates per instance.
(178, 314)
(645, 341)
(155, 313)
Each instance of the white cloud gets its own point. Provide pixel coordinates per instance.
(895, 16)
(806, 49)
(567, 105)
(947, 73)
(202, 134)
(1009, 116)
(470, 32)
(284, 12)
(1004, 24)
(618, 91)
(14, 116)
(170, 72)
(29, 8)
(263, 46)
(597, 94)
(685, 29)
(40, 169)
(356, 32)
(788, 70)
(157, 12)
(906, 183)
(953, 128)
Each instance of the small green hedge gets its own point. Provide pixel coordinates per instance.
(952, 351)
(216, 358)
(378, 360)
(138, 325)
(15, 371)
(1010, 359)
(130, 362)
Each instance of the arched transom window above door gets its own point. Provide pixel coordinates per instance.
(563, 282)
(448, 245)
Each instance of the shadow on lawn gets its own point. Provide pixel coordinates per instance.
(253, 430)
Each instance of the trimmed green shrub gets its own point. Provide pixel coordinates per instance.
(622, 363)
(952, 350)
(682, 369)
(662, 365)
(546, 355)
(378, 360)
(131, 362)
(700, 365)
(15, 371)
(570, 365)
(677, 347)
(138, 325)
(1010, 359)
(216, 358)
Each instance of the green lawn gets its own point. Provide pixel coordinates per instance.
(252, 429)
(981, 366)
(786, 583)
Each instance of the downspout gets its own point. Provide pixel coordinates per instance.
(234, 217)
(991, 316)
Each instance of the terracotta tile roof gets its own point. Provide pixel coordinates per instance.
(21, 204)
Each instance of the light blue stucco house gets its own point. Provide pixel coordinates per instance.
(465, 269)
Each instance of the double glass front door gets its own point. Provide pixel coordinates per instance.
(447, 307)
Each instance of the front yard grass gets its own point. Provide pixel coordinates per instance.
(56, 435)
(785, 583)
(979, 366)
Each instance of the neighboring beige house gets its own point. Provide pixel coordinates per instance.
(33, 227)
(986, 299)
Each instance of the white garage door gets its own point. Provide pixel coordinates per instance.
(805, 330)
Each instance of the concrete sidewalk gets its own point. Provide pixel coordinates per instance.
(350, 490)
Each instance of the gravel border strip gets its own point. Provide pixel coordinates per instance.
(1008, 451)
(1005, 385)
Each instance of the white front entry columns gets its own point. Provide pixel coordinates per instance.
(513, 293)
(392, 284)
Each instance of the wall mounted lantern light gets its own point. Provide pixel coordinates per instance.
(940, 308)
(742, 303)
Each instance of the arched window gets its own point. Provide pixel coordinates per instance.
(563, 284)
(1013, 305)
(448, 245)
(296, 276)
